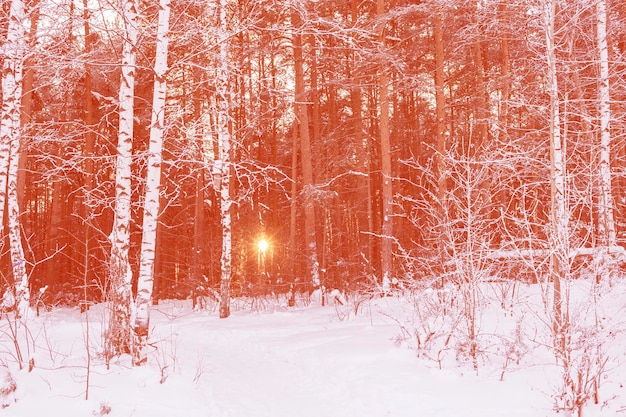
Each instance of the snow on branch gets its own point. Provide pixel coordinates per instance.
(618, 251)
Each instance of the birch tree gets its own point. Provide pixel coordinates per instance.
(559, 238)
(10, 136)
(119, 335)
(606, 222)
(153, 184)
(11, 96)
(224, 163)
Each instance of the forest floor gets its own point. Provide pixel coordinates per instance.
(274, 361)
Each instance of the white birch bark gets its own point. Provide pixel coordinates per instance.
(119, 337)
(12, 70)
(153, 184)
(22, 292)
(223, 134)
(10, 136)
(606, 221)
(559, 214)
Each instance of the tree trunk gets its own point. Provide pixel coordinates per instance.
(88, 153)
(12, 70)
(441, 175)
(57, 238)
(153, 186)
(606, 222)
(503, 102)
(119, 336)
(559, 220)
(505, 86)
(305, 152)
(481, 95)
(27, 99)
(10, 137)
(440, 111)
(293, 207)
(385, 157)
(18, 260)
(223, 114)
(315, 95)
(197, 257)
(356, 103)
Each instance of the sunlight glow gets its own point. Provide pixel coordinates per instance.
(262, 245)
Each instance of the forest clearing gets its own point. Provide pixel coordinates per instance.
(360, 359)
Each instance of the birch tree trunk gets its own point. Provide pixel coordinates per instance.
(559, 215)
(385, 157)
(11, 94)
(224, 139)
(151, 209)
(10, 136)
(119, 336)
(606, 222)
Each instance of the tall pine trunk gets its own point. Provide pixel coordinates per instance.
(88, 151)
(28, 98)
(385, 158)
(480, 104)
(505, 86)
(119, 336)
(440, 112)
(505, 93)
(301, 110)
(293, 207)
(441, 176)
(151, 208)
(356, 104)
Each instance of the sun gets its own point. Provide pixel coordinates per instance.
(263, 245)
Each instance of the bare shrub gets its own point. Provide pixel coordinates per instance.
(7, 387)
(582, 355)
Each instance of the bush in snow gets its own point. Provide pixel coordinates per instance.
(583, 355)
(430, 322)
(104, 410)
(7, 387)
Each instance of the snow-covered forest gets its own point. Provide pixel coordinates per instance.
(355, 208)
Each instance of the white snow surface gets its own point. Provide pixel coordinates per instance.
(276, 361)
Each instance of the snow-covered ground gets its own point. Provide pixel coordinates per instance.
(305, 361)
